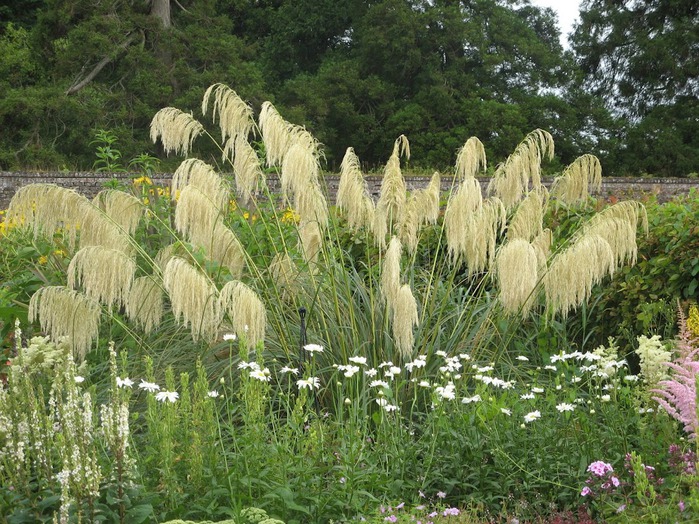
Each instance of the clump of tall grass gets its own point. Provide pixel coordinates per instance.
(222, 272)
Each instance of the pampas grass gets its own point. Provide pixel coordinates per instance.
(104, 274)
(47, 209)
(513, 177)
(246, 167)
(194, 172)
(124, 209)
(144, 305)
(405, 317)
(392, 198)
(353, 194)
(194, 298)
(470, 159)
(177, 130)
(195, 216)
(517, 276)
(527, 221)
(576, 181)
(63, 312)
(246, 311)
(234, 115)
(390, 274)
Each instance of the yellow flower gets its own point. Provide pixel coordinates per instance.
(42, 260)
(290, 216)
(232, 205)
(60, 253)
(693, 320)
(144, 180)
(146, 200)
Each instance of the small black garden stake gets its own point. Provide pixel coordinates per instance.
(302, 339)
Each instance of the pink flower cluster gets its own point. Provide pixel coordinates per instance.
(603, 478)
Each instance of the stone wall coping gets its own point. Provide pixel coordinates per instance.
(89, 183)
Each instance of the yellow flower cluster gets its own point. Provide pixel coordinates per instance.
(290, 216)
(142, 181)
(693, 320)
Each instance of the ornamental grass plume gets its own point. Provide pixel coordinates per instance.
(422, 208)
(311, 206)
(234, 115)
(470, 159)
(602, 245)
(194, 172)
(462, 204)
(176, 129)
(353, 194)
(193, 297)
(222, 246)
(618, 224)
(124, 209)
(144, 305)
(246, 311)
(246, 167)
(47, 209)
(310, 240)
(574, 184)
(300, 169)
(678, 395)
(542, 243)
(195, 216)
(279, 135)
(104, 274)
(63, 312)
(405, 317)
(486, 224)
(390, 273)
(527, 221)
(392, 198)
(517, 275)
(522, 168)
(572, 273)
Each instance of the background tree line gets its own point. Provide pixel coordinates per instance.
(358, 73)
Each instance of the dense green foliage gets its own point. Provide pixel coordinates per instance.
(357, 73)
(644, 298)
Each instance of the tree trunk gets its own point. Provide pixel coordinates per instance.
(161, 10)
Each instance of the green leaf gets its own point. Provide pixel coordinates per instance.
(139, 514)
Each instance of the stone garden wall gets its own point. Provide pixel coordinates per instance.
(89, 184)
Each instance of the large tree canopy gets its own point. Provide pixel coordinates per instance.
(642, 59)
(357, 73)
